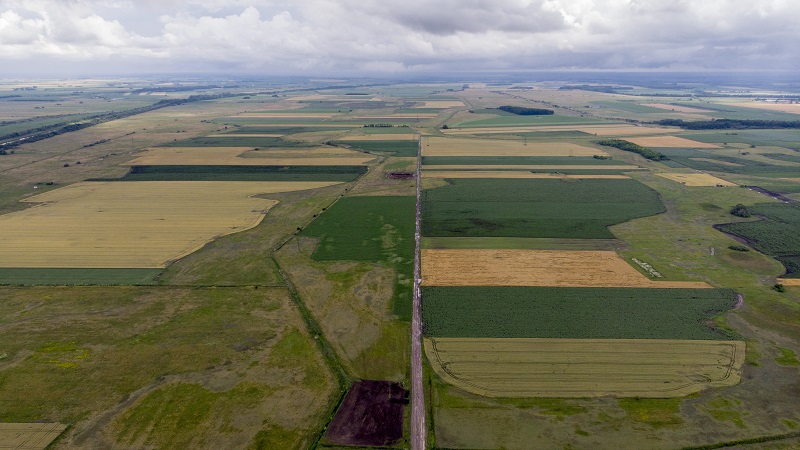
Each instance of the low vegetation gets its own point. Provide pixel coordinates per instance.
(523, 111)
(634, 148)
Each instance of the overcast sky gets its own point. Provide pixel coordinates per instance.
(350, 37)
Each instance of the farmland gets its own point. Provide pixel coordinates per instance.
(695, 179)
(394, 147)
(436, 146)
(187, 156)
(775, 234)
(129, 228)
(593, 313)
(242, 173)
(535, 208)
(558, 174)
(563, 268)
(518, 367)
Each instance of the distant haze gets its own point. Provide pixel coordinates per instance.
(349, 37)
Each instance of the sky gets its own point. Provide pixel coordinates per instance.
(373, 37)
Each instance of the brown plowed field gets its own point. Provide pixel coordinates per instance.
(370, 415)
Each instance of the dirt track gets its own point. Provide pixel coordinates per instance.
(418, 429)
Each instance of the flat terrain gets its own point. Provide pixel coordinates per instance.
(321, 156)
(695, 179)
(563, 268)
(436, 146)
(143, 224)
(514, 174)
(585, 367)
(29, 436)
(669, 141)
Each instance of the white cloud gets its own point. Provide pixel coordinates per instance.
(371, 35)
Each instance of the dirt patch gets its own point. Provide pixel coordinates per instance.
(371, 415)
(29, 436)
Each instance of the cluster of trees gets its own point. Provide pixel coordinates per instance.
(635, 148)
(740, 210)
(725, 124)
(523, 111)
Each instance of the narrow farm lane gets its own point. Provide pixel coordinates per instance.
(418, 429)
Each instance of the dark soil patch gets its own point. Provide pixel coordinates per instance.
(370, 415)
(775, 195)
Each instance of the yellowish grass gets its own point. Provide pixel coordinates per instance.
(441, 104)
(559, 268)
(246, 156)
(792, 179)
(397, 116)
(669, 141)
(247, 135)
(529, 167)
(510, 174)
(381, 137)
(599, 130)
(789, 281)
(520, 367)
(718, 161)
(438, 146)
(793, 108)
(29, 436)
(683, 109)
(283, 115)
(696, 179)
(132, 224)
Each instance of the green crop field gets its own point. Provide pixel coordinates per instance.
(243, 173)
(514, 120)
(69, 276)
(592, 313)
(777, 234)
(535, 207)
(395, 148)
(782, 138)
(731, 164)
(277, 129)
(518, 160)
(376, 229)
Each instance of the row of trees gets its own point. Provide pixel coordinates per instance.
(725, 124)
(635, 148)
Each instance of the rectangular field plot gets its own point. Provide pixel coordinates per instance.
(513, 174)
(132, 225)
(535, 208)
(669, 141)
(585, 367)
(793, 108)
(529, 167)
(29, 436)
(598, 130)
(437, 146)
(678, 108)
(242, 173)
(696, 179)
(475, 267)
(382, 137)
(520, 243)
(571, 312)
(247, 156)
(395, 148)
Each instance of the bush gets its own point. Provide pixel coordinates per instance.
(740, 211)
(739, 248)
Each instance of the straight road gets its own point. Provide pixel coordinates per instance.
(418, 430)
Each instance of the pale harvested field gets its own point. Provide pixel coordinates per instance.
(670, 141)
(511, 174)
(793, 108)
(28, 436)
(230, 135)
(599, 130)
(696, 179)
(789, 281)
(246, 156)
(277, 115)
(520, 367)
(717, 161)
(293, 124)
(380, 137)
(792, 179)
(441, 104)
(397, 116)
(143, 224)
(683, 109)
(558, 268)
(436, 146)
(529, 167)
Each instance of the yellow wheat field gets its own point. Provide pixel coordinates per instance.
(529, 167)
(683, 109)
(381, 137)
(230, 135)
(438, 146)
(696, 179)
(279, 115)
(669, 141)
(559, 268)
(397, 116)
(29, 436)
(793, 108)
(512, 174)
(789, 281)
(246, 156)
(132, 224)
(531, 367)
(599, 130)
